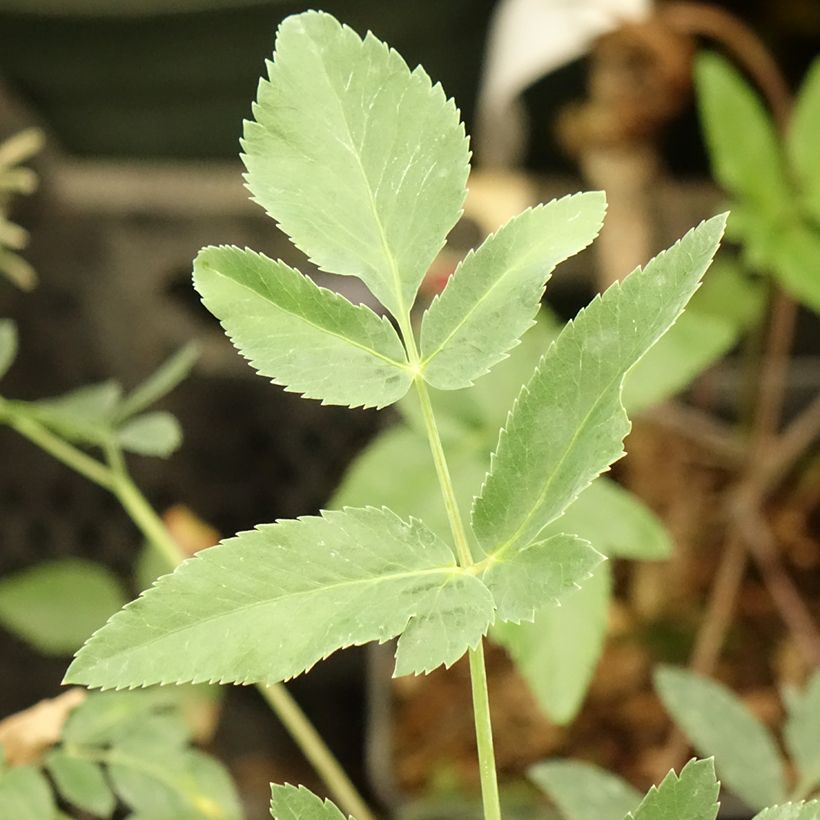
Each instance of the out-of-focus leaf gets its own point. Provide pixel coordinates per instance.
(802, 731)
(26, 795)
(84, 415)
(804, 126)
(8, 345)
(81, 782)
(151, 434)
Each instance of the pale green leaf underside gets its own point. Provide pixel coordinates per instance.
(802, 730)
(298, 803)
(494, 294)
(791, 811)
(268, 604)
(717, 723)
(557, 653)
(743, 146)
(692, 795)
(583, 791)
(55, 606)
(306, 338)
(539, 574)
(568, 423)
(8, 345)
(801, 142)
(361, 162)
(81, 782)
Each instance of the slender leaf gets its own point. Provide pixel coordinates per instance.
(801, 142)
(81, 782)
(26, 795)
(161, 382)
(568, 423)
(8, 345)
(494, 294)
(362, 162)
(292, 803)
(55, 606)
(84, 415)
(151, 434)
(802, 731)
(305, 338)
(717, 723)
(792, 811)
(692, 795)
(583, 791)
(558, 652)
(539, 574)
(268, 604)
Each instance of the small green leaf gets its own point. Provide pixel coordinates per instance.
(540, 574)
(292, 803)
(801, 142)
(794, 260)
(361, 162)
(791, 811)
(151, 434)
(268, 604)
(744, 149)
(558, 652)
(568, 423)
(717, 723)
(303, 337)
(8, 345)
(81, 782)
(494, 294)
(583, 791)
(802, 731)
(26, 795)
(161, 382)
(692, 795)
(55, 606)
(84, 415)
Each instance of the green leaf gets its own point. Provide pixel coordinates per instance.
(717, 723)
(303, 337)
(161, 382)
(172, 785)
(494, 294)
(151, 434)
(56, 605)
(795, 261)
(361, 162)
(558, 652)
(802, 731)
(692, 795)
(583, 791)
(26, 795)
(539, 574)
(84, 415)
(744, 149)
(8, 345)
(616, 522)
(81, 782)
(792, 811)
(801, 141)
(292, 803)
(268, 604)
(568, 423)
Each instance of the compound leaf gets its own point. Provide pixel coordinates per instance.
(8, 345)
(81, 782)
(494, 294)
(791, 811)
(362, 162)
(303, 337)
(568, 423)
(55, 606)
(539, 574)
(557, 653)
(692, 795)
(298, 803)
(268, 604)
(583, 791)
(718, 723)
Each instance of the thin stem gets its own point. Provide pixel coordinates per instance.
(315, 750)
(478, 672)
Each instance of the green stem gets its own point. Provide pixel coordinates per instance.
(478, 671)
